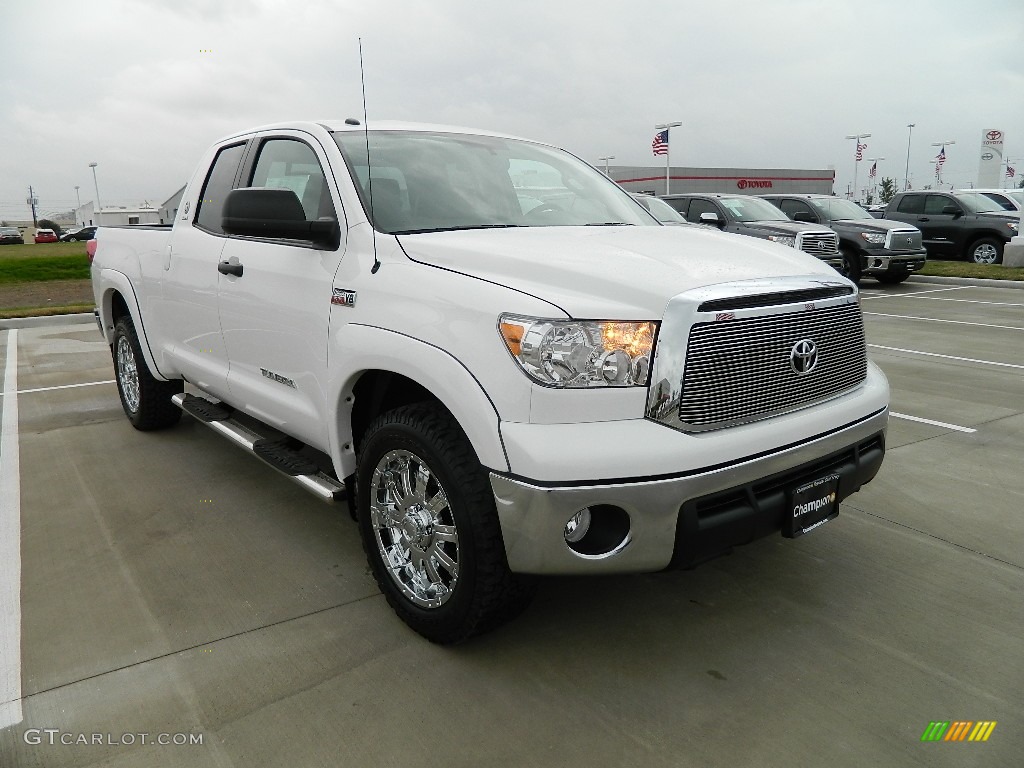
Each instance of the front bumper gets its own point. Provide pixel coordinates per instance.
(892, 261)
(681, 520)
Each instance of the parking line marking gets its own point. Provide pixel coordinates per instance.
(10, 544)
(949, 357)
(916, 293)
(954, 322)
(62, 386)
(971, 301)
(933, 423)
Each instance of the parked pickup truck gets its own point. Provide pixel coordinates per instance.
(509, 364)
(957, 225)
(888, 251)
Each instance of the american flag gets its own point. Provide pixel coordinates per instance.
(860, 150)
(1010, 172)
(660, 144)
(873, 171)
(940, 158)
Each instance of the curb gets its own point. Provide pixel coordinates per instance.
(47, 320)
(978, 281)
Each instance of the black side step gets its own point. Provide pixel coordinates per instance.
(276, 453)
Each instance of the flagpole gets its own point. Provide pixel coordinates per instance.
(874, 182)
(856, 159)
(667, 127)
(938, 166)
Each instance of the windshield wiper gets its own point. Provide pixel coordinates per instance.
(610, 224)
(455, 229)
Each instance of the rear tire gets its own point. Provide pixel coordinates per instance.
(146, 400)
(430, 529)
(987, 250)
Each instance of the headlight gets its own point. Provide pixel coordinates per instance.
(875, 238)
(580, 353)
(783, 240)
(1013, 225)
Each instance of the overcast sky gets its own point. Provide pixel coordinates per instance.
(142, 87)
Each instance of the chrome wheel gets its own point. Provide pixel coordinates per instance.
(414, 528)
(985, 253)
(128, 374)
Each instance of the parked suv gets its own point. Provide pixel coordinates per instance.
(747, 215)
(1008, 199)
(957, 225)
(888, 251)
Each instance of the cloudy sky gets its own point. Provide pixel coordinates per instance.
(141, 87)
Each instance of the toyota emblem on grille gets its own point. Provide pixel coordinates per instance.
(803, 357)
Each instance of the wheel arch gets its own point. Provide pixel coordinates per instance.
(976, 237)
(118, 299)
(385, 369)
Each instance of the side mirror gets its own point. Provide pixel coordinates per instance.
(710, 218)
(276, 214)
(805, 216)
(951, 210)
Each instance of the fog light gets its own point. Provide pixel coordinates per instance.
(577, 526)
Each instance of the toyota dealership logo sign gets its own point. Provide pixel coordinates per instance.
(994, 135)
(754, 184)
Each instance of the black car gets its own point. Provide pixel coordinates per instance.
(72, 236)
(11, 236)
(748, 215)
(888, 251)
(957, 225)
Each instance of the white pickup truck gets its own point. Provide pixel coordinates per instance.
(510, 365)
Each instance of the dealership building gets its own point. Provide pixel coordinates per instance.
(743, 181)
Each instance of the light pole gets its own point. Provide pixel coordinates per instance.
(666, 127)
(606, 159)
(938, 168)
(857, 155)
(874, 184)
(97, 187)
(906, 173)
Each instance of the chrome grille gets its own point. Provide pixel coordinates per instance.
(818, 243)
(739, 370)
(903, 239)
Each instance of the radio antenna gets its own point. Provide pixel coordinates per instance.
(369, 166)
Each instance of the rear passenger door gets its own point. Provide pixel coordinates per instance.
(274, 314)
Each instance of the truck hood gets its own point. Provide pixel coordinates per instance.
(614, 273)
(998, 216)
(870, 225)
(783, 227)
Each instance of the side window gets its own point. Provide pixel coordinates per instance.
(1004, 203)
(911, 204)
(292, 164)
(218, 183)
(679, 204)
(934, 204)
(698, 206)
(791, 207)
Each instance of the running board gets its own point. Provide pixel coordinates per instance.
(274, 453)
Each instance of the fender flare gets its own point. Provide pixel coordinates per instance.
(362, 348)
(111, 280)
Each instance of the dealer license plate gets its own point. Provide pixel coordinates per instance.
(812, 504)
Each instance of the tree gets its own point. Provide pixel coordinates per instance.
(48, 224)
(888, 190)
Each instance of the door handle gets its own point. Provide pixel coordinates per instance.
(227, 268)
(924, 218)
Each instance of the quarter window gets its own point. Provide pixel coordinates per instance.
(219, 182)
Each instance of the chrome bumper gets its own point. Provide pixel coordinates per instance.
(533, 515)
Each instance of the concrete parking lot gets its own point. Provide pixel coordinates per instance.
(168, 585)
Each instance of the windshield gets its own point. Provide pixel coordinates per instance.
(752, 209)
(661, 210)
(431, 182)
(835, 208)
(975, 202)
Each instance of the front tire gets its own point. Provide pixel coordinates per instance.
(430, 529)
(851, 266)
(987, 250)
(146, 400)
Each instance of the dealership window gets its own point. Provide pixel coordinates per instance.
(133, 219)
